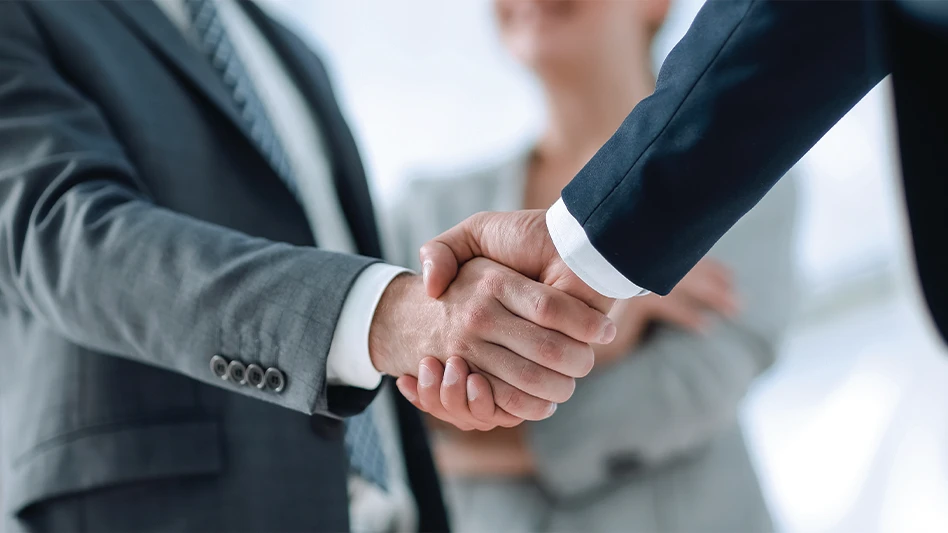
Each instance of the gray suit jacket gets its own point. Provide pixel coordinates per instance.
(651, 443)
(141, 233)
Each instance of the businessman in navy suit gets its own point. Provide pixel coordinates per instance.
(752, 86)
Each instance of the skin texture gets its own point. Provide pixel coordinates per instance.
(527, 340)
(465, 400)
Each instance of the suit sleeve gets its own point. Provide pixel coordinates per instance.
(85, 251)
(677, 391)
(750, 88)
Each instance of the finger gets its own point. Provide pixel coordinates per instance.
(430, 377)
(518, 403)
(442, 256)
(439, 267)
(554, 310)
(522, 373)
(454, 394)
(408, 386)
(682, 314)
(480, 400)
(545, 347)
(479, 408)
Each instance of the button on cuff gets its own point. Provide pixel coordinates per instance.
(255, 376)
(275, 380)
(219, 366)
(237, 372)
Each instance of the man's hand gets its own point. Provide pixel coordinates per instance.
(496, 452)
(527, 339)
(453, 395)
(704, 291)
(518, 239)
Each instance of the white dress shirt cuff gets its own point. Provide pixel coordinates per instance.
(583, 259)
(349, 362)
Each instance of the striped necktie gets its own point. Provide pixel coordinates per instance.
(362, 442)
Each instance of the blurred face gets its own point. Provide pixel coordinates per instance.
(553, 36)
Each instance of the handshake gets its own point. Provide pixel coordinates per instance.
(497, 320)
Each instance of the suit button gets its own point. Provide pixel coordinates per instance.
(237, 372)
(255, 376)
(275, 379)
(219, 366)
(327, 428)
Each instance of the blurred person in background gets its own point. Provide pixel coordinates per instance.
(651, 440)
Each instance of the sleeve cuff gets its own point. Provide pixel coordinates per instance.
(349, 362)
(583, 259)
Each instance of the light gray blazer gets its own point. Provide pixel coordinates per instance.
(652, 443)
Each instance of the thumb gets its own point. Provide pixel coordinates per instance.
(439, 267)
(442, 256)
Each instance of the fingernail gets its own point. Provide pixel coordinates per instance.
(451, 374)
(426, 377)
(608, 333)
(425, 271)
(552, 409)
(408, 393)
(471, 391)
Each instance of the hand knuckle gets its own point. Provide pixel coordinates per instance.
(513, 402)
(550, 350)
(591, 327)
(531, 375)
(545, 307)
(479, 319)
(491, 282)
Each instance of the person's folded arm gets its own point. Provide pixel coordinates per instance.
(86, 251)
(678, 390)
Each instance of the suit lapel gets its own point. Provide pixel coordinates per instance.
(151, 24)
(348, 173)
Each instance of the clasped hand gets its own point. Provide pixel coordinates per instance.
(498, 318)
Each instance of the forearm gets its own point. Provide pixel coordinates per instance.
(111, 271)
(86, 247)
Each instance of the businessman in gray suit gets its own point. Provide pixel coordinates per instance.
(178, 354)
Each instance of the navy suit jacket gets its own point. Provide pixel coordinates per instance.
(752, 86)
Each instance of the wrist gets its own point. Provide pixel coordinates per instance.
(390, 323)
